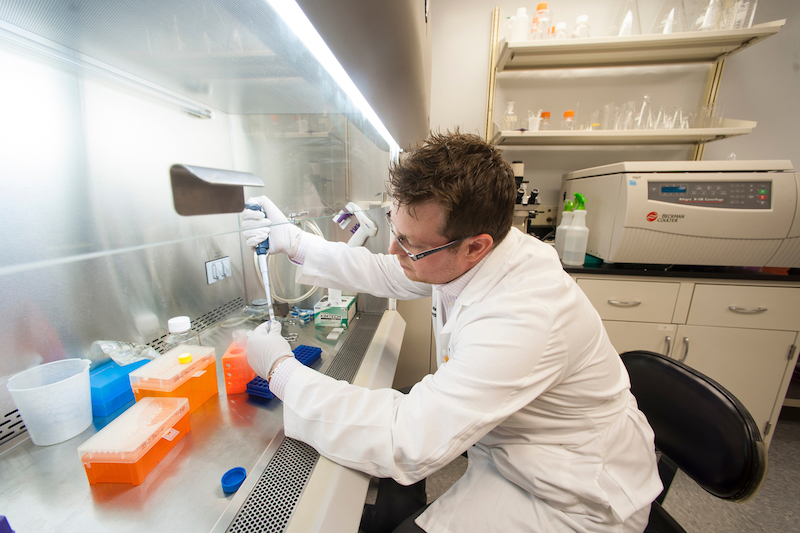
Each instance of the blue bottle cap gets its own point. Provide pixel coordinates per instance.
(233, 479)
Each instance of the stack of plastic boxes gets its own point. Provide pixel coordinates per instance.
(111, 390)
(167, 389)
(184, 372)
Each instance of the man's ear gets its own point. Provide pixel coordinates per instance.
(477, 247)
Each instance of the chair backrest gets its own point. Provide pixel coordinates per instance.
(699, 425)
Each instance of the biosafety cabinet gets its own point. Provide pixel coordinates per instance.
(720, 213)
(101, 98)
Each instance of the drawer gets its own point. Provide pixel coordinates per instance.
(635, 301)
(744, 306)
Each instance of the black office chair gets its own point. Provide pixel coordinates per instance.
(700, 428)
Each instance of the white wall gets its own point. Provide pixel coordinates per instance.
(760, 84)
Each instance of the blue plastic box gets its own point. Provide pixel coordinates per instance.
(308, 355)
(259, 387)
(111, 387)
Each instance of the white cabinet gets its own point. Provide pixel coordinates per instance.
(751, 363)
(632, 301)
(740, 333)
(627, 336)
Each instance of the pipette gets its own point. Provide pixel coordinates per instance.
(261, 252)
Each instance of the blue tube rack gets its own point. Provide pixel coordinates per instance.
(307, 355)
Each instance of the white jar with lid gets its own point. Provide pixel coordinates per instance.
(180, 332)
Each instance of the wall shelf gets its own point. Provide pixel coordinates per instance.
(686, 47)
(728, 128)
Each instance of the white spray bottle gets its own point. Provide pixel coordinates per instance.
(577, 235)
(561, 230)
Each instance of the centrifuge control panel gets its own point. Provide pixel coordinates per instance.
(721, 194)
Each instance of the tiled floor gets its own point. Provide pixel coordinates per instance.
(774, 509)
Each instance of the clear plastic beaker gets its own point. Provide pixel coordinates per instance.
(54, 400)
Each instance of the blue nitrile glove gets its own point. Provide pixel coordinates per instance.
(265, 346)
(283, 236)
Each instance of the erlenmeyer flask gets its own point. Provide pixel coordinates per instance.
(711, 17)
(627, 20)
(671, 18)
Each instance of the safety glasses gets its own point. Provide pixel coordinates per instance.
(420, 255)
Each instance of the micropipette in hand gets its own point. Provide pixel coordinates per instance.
(261, 251)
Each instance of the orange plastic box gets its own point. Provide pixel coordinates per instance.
(127, 449)
(236, 369)
(183, 372)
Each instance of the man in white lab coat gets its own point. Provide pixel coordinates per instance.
(527, 380)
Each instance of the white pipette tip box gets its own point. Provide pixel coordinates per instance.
(185, 371)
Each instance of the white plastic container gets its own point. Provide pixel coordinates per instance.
(180, 332)
(575, 240)
(561, 31)
(533, 121)
(54, 400)
(581, 29)
(561, 231)
(520, 26)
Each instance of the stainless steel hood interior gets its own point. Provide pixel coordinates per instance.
(237, 56)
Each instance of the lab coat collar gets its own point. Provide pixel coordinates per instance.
(490, 273)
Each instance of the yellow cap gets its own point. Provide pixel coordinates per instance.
(185, 358)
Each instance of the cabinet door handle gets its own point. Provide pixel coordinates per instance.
(669, 345)
(747, 311)
(618, 303)
(685, 350)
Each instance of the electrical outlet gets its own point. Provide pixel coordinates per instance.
(542, 215)
(218, 269)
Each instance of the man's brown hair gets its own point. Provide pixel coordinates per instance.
(464, 174)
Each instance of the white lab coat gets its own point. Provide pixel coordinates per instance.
(531, 380)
